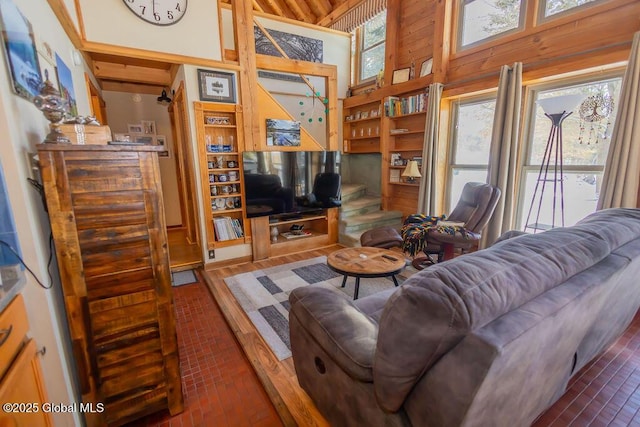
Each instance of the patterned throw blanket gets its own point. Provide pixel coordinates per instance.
(417, 226)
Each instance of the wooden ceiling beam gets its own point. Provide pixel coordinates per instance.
(131, 73)
(320, 7)
(338, 12)
(256, 6)
(275, 8)
(130, 87)
(297, 8)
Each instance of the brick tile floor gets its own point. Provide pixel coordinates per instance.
(221, 389)
(219, 385)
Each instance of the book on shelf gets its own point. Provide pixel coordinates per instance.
(397, 131)
(227, 228)
(295, 235)
(394, 175)
(395, 106)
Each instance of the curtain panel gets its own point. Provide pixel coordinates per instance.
(427, 200)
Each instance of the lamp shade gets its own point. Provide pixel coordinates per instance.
(560, 104)
(411, 171)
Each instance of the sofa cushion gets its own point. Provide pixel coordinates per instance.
(438, 306)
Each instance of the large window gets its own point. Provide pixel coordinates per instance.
(372, 36)
(554, 7)
(472, 123)
(481, 20)
(585, 139)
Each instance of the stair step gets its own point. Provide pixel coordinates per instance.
(371, 220)
(352, 191)
(360, 206)
(350, 240)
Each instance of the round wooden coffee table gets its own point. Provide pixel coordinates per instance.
(366, 262)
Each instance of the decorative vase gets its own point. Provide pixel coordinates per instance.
(274, 234)
(54, 107)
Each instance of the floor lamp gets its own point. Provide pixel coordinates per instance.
(556, 109)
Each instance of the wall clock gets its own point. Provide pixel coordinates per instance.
(158, 12)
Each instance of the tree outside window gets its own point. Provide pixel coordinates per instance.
(372, 35)
(481, 20)
(554, 7)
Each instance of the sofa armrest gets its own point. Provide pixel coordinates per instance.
(345, 333)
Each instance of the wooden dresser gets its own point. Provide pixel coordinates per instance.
(107, 218)
(21, 383)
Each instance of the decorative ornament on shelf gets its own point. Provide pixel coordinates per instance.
(274, 234)
(54, 107)
(593, 110)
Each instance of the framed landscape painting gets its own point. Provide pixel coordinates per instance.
(216, 86)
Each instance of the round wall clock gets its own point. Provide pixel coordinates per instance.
(158, 12)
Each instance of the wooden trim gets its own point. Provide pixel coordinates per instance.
(83, 33)
(211, 266)
(394, 8)
(338, 12)
(156, 56)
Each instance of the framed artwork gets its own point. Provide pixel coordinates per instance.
(20, 51)
(285, 133)
(48, 71)
(148, 127)
(426, 67)
(162, 140)
(137, 128)
(294, 45)
(65, 81)
(143, 139)
(122, 137)
(217, 86)
(401, 75)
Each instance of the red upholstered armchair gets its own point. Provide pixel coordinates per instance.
(461, 230)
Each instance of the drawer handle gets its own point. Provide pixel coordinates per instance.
(5, 334)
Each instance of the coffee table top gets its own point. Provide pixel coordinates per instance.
(366, 262)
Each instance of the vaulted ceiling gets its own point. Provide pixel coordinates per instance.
(319, 12)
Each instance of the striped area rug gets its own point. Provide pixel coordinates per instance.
(264, 295)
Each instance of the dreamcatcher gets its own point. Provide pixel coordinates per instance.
(314, 108)
(594, 110)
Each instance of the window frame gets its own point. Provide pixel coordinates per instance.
(360, 51)
(524, 164)
(459, 47)
(542, 18)
(452, 143)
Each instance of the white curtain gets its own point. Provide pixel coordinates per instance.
(504, 151)
(621, 179)
(427, 194)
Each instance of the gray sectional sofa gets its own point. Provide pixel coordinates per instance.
(488, 338)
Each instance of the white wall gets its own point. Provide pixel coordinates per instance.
(128, 108)
(22, 127)
(196, 34)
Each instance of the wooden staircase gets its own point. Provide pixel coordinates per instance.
(361, 212)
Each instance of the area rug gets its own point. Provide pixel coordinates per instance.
(186, 277)
(264, 295)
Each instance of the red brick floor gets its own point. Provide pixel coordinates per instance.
(219, 385)
(221, 389)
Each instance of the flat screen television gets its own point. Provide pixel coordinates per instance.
(280, 183)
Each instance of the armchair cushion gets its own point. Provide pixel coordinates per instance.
(344, 332)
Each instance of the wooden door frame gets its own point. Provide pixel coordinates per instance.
(184, 165)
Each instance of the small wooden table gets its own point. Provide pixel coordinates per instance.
(366, 262)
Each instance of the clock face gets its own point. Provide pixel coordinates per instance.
(159, 12)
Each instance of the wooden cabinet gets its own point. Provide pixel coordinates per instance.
(361, 128)
(322, 229)
(20, 372)
(220, 146)
(107, 219)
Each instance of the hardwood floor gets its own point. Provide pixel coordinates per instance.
(606, 392)
(182, 254)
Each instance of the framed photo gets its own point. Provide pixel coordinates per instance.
(122, 137)
(426, 67)
(401, 75)
(48, 71)
(20, 51)
(162, 140)
(284, 133)
(217, 86)
(148, 127)
(143, 139)
(137, 128)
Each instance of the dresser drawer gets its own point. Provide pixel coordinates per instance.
(13, 328)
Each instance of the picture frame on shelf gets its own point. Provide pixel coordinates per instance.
(401, 75)
(426, 67)
(162, 141)
(148, 127)
(135, 128)
(217, 86)
(122, 137)
(143, 139)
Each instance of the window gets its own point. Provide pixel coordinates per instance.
(585, 146)
(472, 123)
(554, 7)
(481, 20)
(372, 41)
